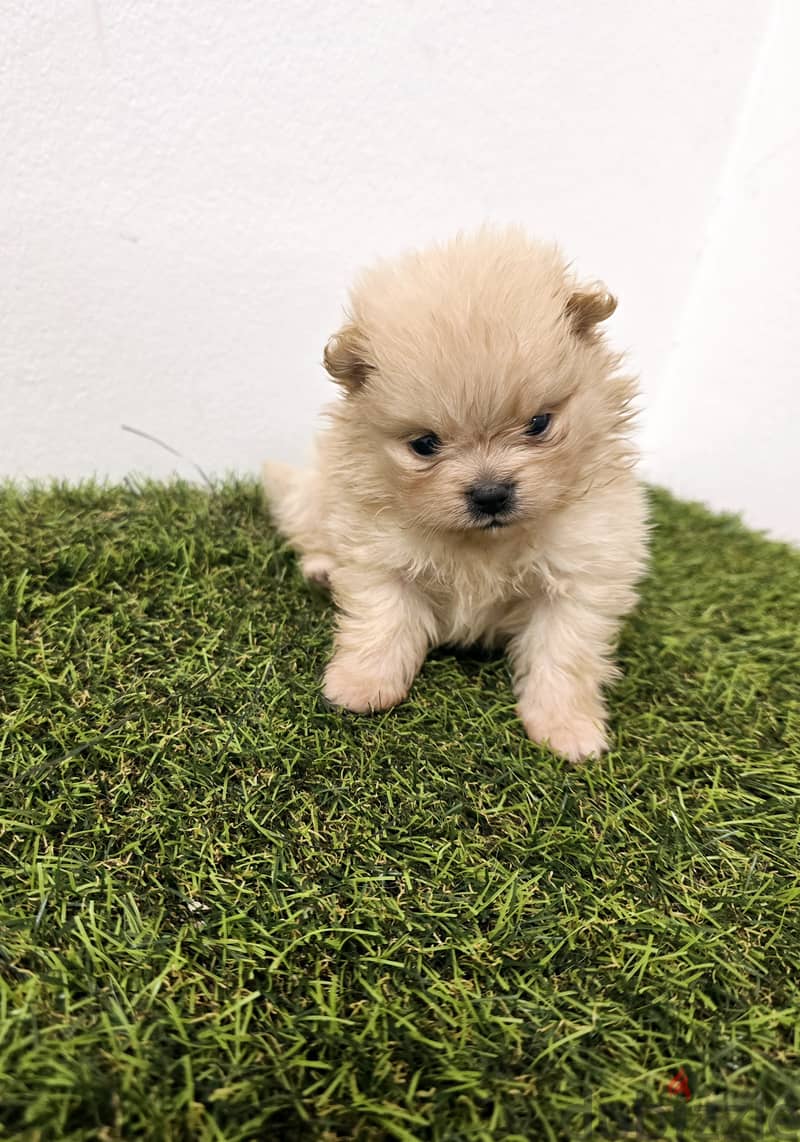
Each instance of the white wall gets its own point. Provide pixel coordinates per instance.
(725, 425)
(187, 188)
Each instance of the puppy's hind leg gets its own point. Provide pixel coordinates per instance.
(294, 501)
(290, 497)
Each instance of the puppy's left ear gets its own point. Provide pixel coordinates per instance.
(345, 357)
(587, 307)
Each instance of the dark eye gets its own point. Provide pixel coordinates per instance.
(538, 424)
(426, 445)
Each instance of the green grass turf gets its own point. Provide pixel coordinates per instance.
(229, 913)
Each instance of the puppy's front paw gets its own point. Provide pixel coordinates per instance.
(576, 738)
(348, 683)
(318, 569)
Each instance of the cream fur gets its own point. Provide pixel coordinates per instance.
(469, 340)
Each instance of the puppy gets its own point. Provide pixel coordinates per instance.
(475, 482)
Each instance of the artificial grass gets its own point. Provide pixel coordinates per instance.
(230, 913)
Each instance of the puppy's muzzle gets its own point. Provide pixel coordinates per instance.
(490, 500)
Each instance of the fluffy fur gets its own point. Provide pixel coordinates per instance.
(469, 341)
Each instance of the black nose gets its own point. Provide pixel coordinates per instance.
(490, 499)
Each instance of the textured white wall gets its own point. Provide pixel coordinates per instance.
(187, 188)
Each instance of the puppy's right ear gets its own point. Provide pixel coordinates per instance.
(345, 357)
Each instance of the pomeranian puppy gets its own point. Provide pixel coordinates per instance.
(475, 483)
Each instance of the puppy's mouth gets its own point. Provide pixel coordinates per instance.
(495, 523)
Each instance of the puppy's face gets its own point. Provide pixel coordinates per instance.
(478, 394)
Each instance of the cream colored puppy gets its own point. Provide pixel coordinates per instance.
(475, 483)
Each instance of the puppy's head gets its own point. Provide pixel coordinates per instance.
(478, 392)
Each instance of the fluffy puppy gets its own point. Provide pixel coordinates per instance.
(475, 482)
